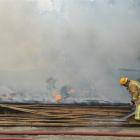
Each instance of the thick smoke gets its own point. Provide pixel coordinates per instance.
(81, 43)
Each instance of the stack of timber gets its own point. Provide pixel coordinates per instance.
(64, 115)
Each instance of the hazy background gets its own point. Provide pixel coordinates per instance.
(81, 43)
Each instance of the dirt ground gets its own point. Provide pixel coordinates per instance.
(76, 138)
(82, 138)
(82, 129)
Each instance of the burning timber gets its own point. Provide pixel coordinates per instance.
(65, 115)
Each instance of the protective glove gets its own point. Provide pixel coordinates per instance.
(132, 103)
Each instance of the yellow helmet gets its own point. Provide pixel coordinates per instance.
(123, 80)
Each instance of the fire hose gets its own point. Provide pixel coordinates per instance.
(95, 133)
(14, 139)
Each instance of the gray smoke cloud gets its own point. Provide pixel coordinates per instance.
(81, 43)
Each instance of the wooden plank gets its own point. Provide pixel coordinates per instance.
(53, 115)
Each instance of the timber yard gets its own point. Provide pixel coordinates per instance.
(69, 69)
(63, 121)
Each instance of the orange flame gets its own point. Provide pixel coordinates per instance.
(58, 98)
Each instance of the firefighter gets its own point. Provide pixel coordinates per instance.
(134, 89)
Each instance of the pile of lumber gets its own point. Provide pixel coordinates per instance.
(64, 115)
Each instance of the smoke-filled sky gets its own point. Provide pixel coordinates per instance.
(81, 43)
